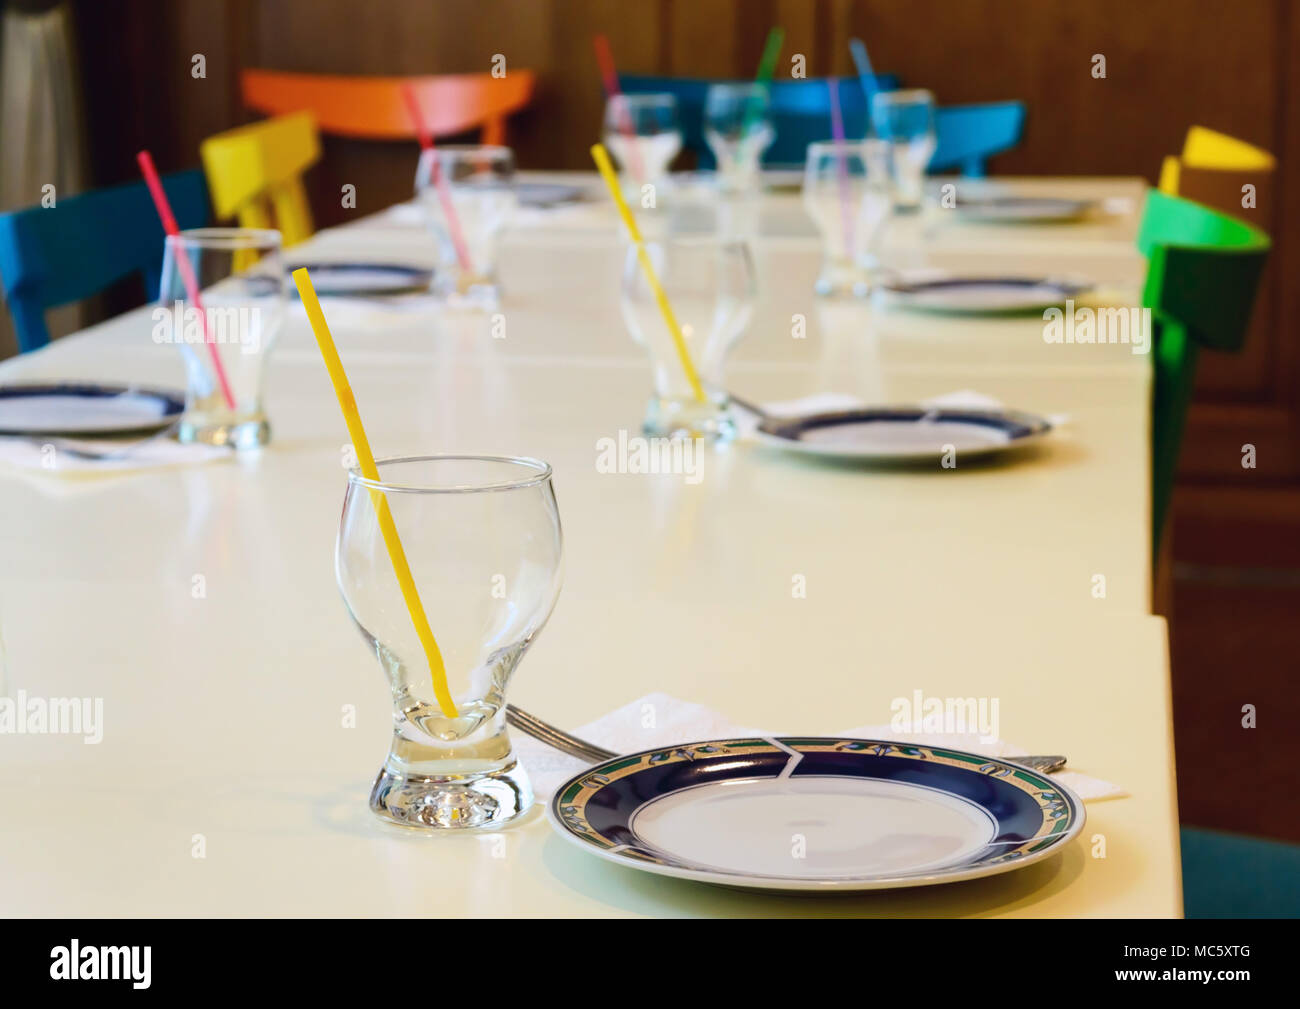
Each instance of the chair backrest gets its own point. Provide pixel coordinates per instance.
(51, 256)
(970, 134)
(373, 108)
(1203, 270)
(1222, 172)
(255, 174)
(801, 112)
(1206, 148)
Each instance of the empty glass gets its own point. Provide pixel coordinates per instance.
(643, 135)
(710, 284)
(481, 535)
(906, 120)
(467, 191)
(846, 191)
(238, 278)
(738, 128)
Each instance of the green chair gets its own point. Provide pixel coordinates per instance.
(1203, 269)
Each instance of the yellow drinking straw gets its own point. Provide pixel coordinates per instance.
(366, 463)
(611, 182)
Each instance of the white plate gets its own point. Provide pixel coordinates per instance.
(360, 279)
(1023, 209)
(903, 434)
(70, 408)
(982, 295)
(820, 814)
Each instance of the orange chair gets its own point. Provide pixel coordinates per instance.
(372, 108)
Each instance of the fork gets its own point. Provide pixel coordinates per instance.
(115, 453)
(583, 750)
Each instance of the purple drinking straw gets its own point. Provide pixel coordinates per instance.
(837, 131)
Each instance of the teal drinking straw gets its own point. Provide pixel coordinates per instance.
(766, 71)
(771, 50)
(866, 75)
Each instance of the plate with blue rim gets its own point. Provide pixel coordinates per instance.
(981, 294)
(86, 408)
(903, 434)
(818, 814)
(358, 280)
(1008, 209)
(546, 195)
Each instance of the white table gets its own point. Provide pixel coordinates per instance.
(224, 713)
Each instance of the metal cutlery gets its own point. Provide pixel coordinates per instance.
(93, 455)
(583, 750)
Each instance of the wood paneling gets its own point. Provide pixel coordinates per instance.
(1235, 642)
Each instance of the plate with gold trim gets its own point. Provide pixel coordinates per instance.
(816, 813)
(1010, 209)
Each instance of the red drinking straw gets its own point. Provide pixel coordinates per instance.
(609, 76)
(188, 278)
(439, 182)
(837, 131)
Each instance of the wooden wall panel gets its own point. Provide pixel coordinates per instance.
(703, 38)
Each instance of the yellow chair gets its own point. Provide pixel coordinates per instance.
(1213, 169)
(255, 174)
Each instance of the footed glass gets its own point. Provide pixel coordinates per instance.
(906, 121)
(482, 537)
(711, 287)
(643, 134)
(238, 276)
(738, 128)
(846, 191)
(468, 195)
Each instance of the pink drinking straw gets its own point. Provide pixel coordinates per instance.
(145, 160)
(439, 182)
(837, 131)
(609, 77)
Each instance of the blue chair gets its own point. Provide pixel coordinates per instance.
(801, 112)
(51, 256)
(968, 134)
(1234, 876)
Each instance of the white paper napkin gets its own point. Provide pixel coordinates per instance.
(1119, 206)
(46, 457)
(661, 720)
(963, 399)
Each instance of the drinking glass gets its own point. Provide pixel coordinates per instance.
(738, 128)
(238, 278)
(905, 119)
(846, 192)
(467, 191)
(643, 134)
(481, 535)
(710, 285)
